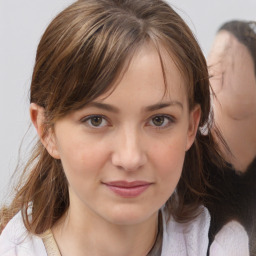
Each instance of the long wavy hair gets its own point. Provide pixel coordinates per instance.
(80, 55)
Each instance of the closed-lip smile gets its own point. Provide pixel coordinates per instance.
(128, 189)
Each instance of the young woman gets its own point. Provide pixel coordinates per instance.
(118, 93)
(232, 65)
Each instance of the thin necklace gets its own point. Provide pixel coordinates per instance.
(156, 249)
(52, 248)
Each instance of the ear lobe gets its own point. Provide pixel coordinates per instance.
(47, 139)
(194, 118)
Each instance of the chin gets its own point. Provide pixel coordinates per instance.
(128, 215)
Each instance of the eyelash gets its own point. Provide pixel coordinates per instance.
(170, 121)
(88, 120)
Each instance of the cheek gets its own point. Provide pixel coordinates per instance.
(82, 156)
(238, 97)
(217, 83)
(168, 160)
(168, 168)
(83, 164)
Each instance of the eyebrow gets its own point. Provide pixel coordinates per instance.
(150, 108)
(163, 105)
(104, 106)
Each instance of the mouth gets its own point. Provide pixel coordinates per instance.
(128, 189)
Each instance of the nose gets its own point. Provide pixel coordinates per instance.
(129, 154)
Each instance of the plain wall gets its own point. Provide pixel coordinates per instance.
(21, 26)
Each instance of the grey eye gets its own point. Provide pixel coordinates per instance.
(158, 120)
(96, 121)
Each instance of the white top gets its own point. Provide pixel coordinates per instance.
(189, 239)
(231, 240)
(16, 241)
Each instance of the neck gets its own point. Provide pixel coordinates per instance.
(90, 235)
(240, 136)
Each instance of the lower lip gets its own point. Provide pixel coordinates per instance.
(128, 192)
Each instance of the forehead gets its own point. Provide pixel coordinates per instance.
(228, 53)
(151, 75)
(221, 45)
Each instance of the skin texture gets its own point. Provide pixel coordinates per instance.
(136, 140)
(233, 81)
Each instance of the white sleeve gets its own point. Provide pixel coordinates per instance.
(16, 241)
(231, 240)
(186, 239)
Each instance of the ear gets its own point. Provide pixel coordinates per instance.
(194, 118)
(48, 140)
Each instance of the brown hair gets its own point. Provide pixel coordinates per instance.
(82, 52)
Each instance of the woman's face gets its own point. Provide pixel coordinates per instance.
(123, 153)
(233, 79)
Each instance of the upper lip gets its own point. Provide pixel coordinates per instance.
(127, 184)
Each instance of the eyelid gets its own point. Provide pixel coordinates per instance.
(87, 118)
(170, 118)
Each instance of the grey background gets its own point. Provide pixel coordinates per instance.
(21, 26)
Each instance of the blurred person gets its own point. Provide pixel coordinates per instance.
(232, 67)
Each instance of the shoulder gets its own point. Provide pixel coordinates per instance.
(186, 238)
(15, 240)
(231, 240)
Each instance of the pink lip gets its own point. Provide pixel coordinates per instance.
(128, 189)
